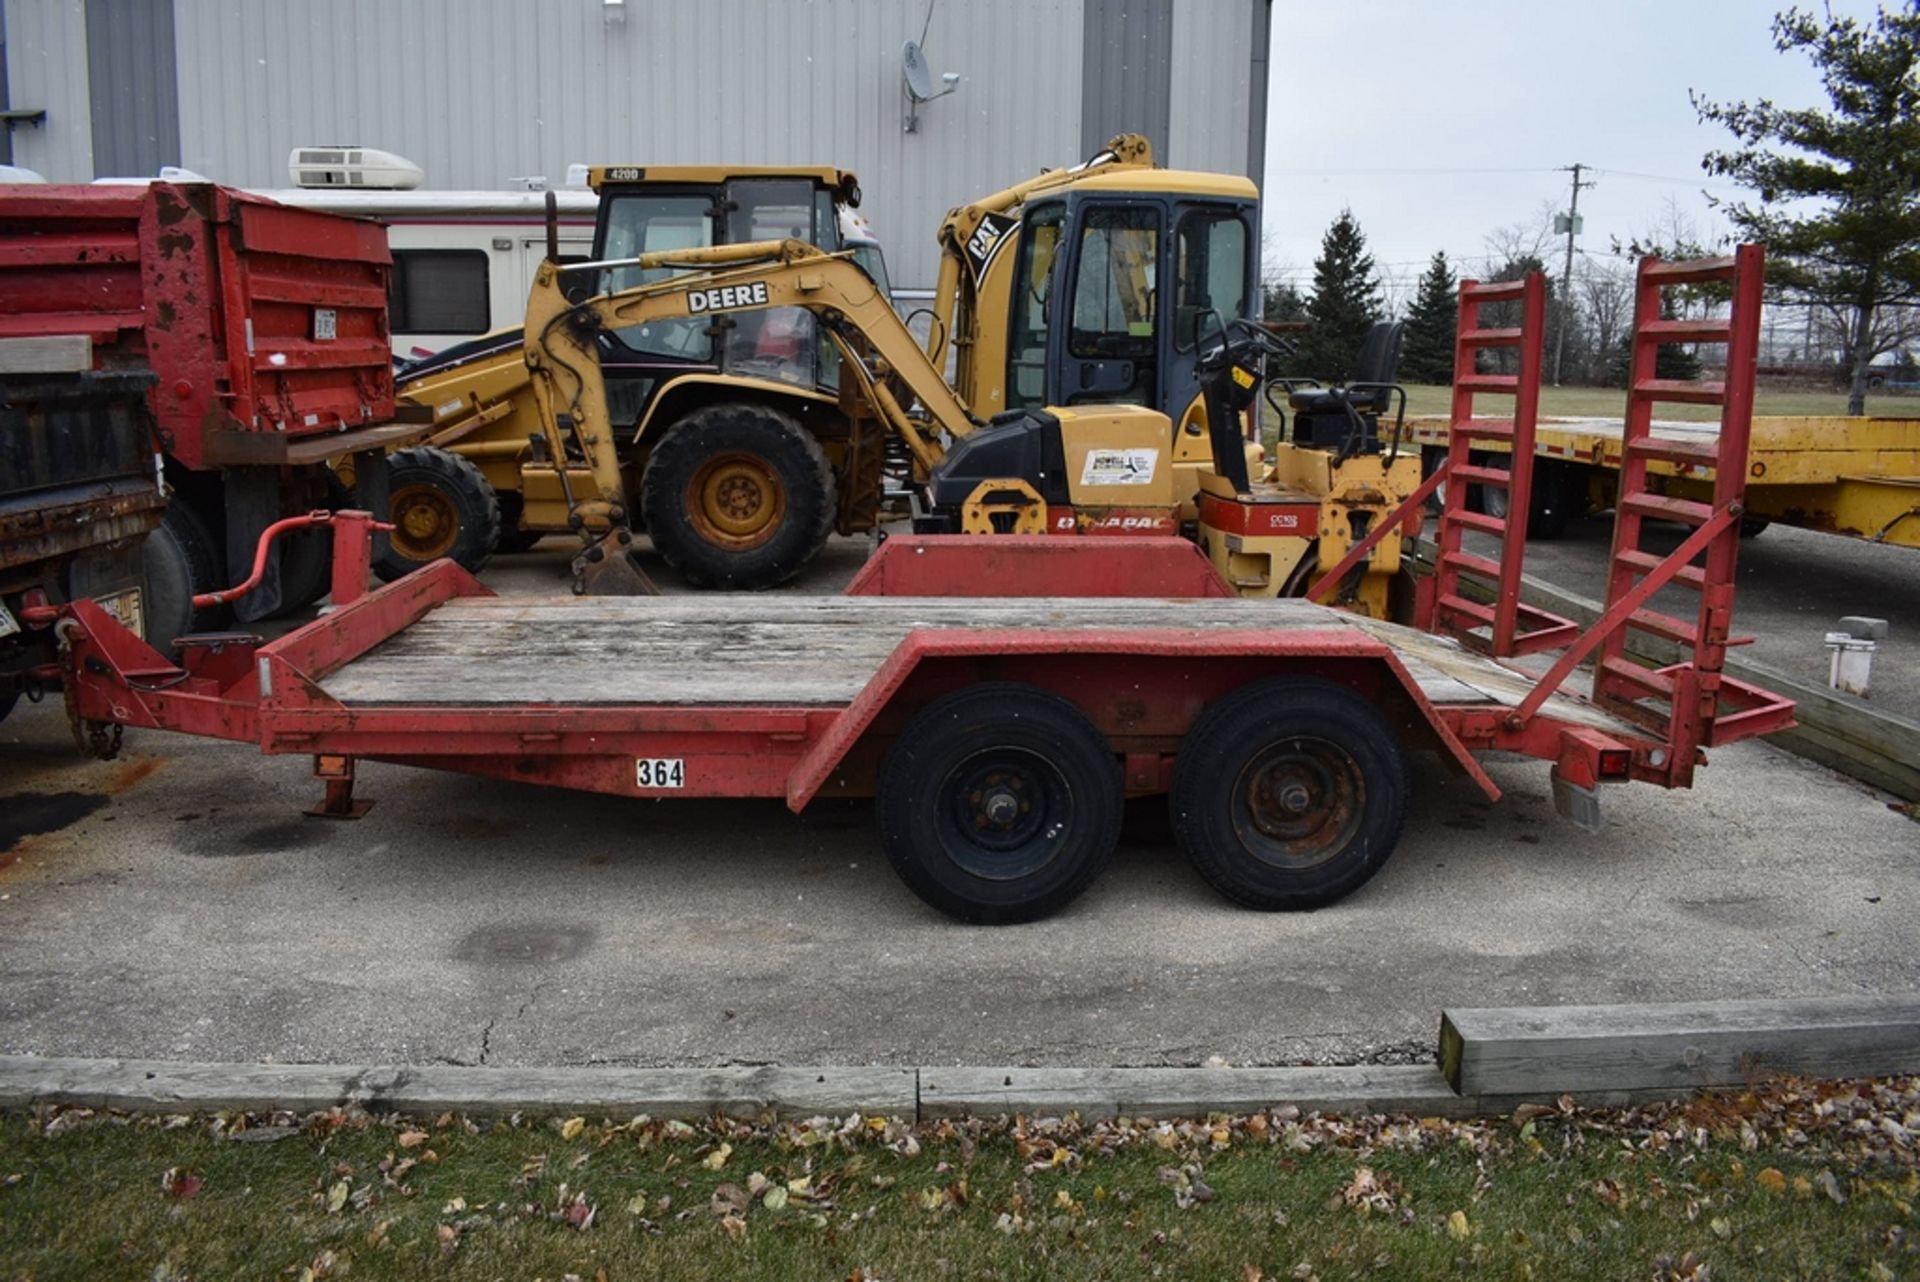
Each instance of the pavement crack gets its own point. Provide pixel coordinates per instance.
(486, 1039)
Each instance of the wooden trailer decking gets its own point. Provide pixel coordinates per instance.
(749, 648)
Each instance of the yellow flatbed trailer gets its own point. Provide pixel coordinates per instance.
(1852, 476)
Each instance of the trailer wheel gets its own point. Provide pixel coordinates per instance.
(442, 506)
(738, 496)
(999, 803)
(1289, 793)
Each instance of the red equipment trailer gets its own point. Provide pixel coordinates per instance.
(1000, 696)
(266, 330)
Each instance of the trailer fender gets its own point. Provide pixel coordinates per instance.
(1158, 648)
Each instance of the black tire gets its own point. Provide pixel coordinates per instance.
(179, 559)
(1752, 527)
(442, 506)
(306, 569)
(961, 760)
(7, 699)
(513, 539)
(1559, 495)
(1336, 755)
(738, 496)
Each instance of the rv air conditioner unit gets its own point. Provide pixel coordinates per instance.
(350, 166)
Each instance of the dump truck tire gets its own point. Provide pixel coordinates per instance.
(738, 496)
(1289, 793)
(179, 559)
(442, 506)
(999, 803)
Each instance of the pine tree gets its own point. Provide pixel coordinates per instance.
(1426, 351)
(1345, 303)
(1282, 302)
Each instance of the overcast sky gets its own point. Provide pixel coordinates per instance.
(1393, 107)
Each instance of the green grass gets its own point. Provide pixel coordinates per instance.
(1788, 1183)
(1608, 402)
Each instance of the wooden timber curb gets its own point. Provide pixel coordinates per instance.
(1839, 731)
(1490, 1061)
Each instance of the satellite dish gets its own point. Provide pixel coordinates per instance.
(913, 66)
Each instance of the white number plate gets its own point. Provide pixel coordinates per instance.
(325, 324)
(8, 624)
(659, 772)
(125, 606)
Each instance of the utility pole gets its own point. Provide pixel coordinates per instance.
(1566, 273)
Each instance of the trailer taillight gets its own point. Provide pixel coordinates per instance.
(1615, 763)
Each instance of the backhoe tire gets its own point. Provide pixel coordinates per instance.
(738, 496)
(442, 506)
(999, 803)
(1289, 793)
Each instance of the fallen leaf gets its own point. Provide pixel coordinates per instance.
(412, 1139)
(728, 1199)
(1831, 1187)
(775, 1199)
(181, 1183)
(1251, 1273)
(637, 1204)
(1457, 1227)
(571, 1128)
(1721, 1228)
(718, 1158)
(337, 1197)
(735, 1226)
(1771, 1180)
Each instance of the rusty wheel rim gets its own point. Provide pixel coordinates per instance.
(736, 501)
(1298, 802)
(426, 525)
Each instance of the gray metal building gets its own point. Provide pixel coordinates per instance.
(480, 91)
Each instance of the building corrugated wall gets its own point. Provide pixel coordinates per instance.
(480, 91)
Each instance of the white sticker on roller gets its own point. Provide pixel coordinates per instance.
(1119, 467)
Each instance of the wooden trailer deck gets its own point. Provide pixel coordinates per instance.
(739, 649)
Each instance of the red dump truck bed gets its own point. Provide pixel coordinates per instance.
(264, 325)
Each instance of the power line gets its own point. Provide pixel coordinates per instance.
(1400, 172)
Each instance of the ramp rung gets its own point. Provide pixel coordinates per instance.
(1686, 331)
(1489, 337)
(1690, 271)
(1485, 429)
(1478, 521)
(1627, 672)
(1680, 391)
(1498, 477)
(1665, 625)
(1475, 564)
(1691, 576)
(1504, 383)
(1665, 508)
(1452, 604)
(1494, 291)
(1691, 453)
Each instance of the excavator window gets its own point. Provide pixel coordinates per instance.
(778, 343)
(1113, 300)
(1032, 307)
(1210, 275)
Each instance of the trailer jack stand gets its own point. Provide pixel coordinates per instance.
(339, 803)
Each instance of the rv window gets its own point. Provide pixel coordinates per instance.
(439, 291)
